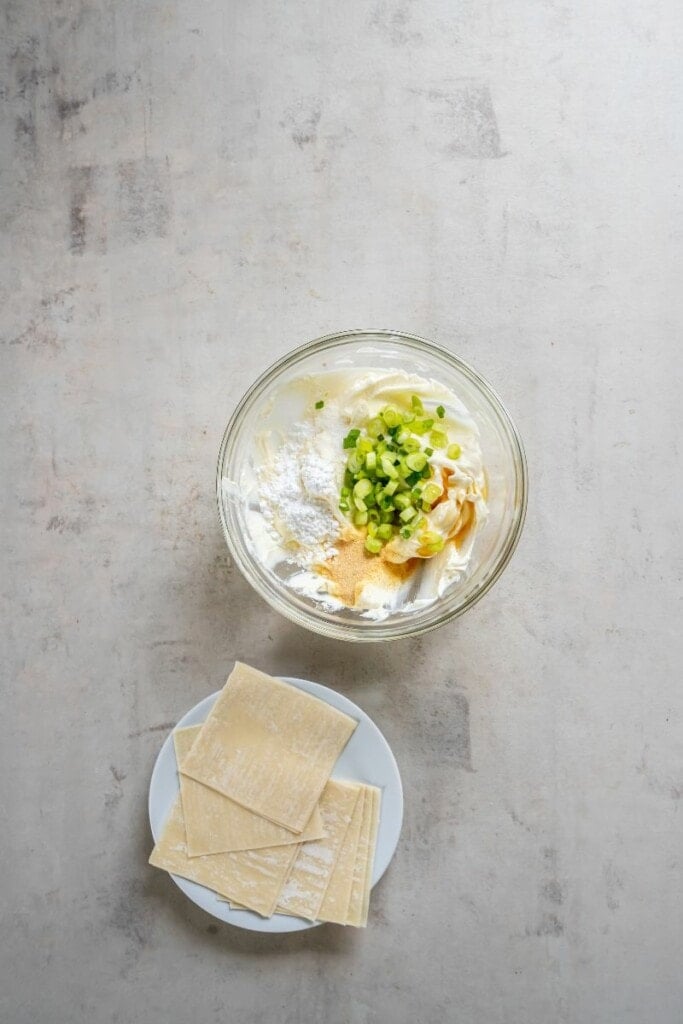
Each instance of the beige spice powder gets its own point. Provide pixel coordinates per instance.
(353, 566)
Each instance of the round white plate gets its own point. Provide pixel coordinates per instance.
(367, 757)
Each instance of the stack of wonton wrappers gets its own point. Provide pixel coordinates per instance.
(258, 818)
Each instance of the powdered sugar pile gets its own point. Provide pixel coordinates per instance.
(297, 492)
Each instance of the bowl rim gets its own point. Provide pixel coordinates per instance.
(358, 632)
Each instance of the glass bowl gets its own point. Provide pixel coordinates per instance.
(503, 456)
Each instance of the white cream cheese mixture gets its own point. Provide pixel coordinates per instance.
(294, 515)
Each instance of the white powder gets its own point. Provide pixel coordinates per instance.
(297, 492)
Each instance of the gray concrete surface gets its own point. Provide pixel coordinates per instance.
(189, 190)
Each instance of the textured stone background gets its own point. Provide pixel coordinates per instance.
(189, 190)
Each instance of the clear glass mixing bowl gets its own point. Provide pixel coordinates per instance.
(503, 455)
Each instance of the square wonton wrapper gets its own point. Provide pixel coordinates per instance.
(314, 866)
(253, 878)
(335, 904)
(365, 858)
(269, 746)
(347, 897)
(216, 824)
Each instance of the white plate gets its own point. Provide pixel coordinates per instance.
(367, 757)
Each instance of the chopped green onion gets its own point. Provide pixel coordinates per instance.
(373, 545)
(362, 489)
(440, 411)
(391, 417)
(406, 532)
(430, 539)
(351, 438)
(385, 484)
(320, 405)
(388, 466)
(354, 462)
(430, 493)
(454, 451)
(416, 461)
(422, 426)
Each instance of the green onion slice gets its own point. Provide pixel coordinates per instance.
(362, 489)
(431, 493)
(351, 438)
(416, 461)
(438, 439)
